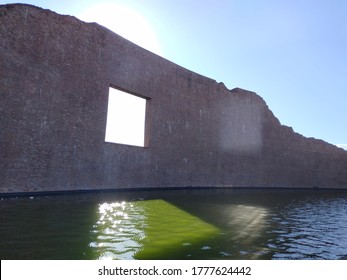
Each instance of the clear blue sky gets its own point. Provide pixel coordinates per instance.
(292, 53)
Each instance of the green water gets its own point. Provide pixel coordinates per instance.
(184, 224)
(143, 229)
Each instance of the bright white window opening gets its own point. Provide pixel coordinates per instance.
(125, 118)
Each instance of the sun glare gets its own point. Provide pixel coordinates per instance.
(125, 22)
(121, 126)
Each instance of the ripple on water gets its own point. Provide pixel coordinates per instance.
(312, 230)
(182, 225)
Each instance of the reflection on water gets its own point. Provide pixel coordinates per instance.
(244, 227)
(189, 224)
(146, 230)
(247, 222)
(119, 230)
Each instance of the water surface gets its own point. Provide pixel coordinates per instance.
(176, 224)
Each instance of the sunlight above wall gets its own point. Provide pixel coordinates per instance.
(126, 113)
(125, 22)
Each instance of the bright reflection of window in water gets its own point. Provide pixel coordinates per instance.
(148, 229)
(119, 231)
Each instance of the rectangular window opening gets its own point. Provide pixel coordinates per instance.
(126, 118)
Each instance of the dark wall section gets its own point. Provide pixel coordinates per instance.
(55, 73)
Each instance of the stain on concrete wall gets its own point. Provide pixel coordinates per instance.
(55, 74)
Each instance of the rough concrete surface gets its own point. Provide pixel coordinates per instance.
(55, 74)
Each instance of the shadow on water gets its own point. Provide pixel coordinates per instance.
(181, 224)
(275, 224)
(45, 228)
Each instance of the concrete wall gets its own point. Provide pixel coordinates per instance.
(55, 74)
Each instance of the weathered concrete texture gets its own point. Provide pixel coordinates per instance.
(55, 73)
